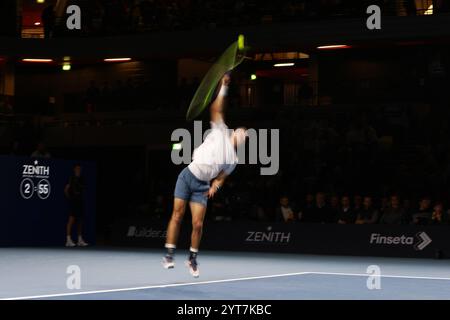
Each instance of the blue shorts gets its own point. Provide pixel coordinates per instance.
(191, 189)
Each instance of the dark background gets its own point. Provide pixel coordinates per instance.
(371, 119)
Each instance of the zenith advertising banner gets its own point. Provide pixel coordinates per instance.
(33, 206)
(364, 240)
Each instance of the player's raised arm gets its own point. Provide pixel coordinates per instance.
(218, 105)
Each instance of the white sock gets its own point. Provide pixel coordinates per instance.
(170, 249)
(223, 91)
(69, 238)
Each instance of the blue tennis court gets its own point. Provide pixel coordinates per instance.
(136, 274)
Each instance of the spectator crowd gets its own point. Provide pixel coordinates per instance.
(124, 16)
(357, 209)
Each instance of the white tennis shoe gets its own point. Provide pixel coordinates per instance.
(168, 262)
(70, 243)
(82, 243)
(193, 267)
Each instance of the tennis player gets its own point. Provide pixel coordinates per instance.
(213, 161)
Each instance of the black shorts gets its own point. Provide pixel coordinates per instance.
(76, 209)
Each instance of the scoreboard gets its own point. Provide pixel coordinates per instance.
(33, 206)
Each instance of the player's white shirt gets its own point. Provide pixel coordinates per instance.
(215, 154)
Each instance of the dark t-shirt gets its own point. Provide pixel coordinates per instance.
(348, 216)
(422, 217)
(319, 215)
(392, 216)
(76, 187)
(368, 215)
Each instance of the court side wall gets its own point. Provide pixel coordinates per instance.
(360, 240)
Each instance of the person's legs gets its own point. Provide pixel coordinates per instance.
(198, 211)
(69, 226)
(173, 230)
(81, 241)
(198, 215)
(80, 228)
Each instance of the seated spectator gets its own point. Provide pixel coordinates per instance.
(357, 204)
(346, 214)
(334, 205)
(384, 204)
(307, 206)
(368, 214)
(320, 213)
(424, 214)
(284, 212)
(394, 213)
(41, 151)
(407, 217)
(439, 217)
(309, 200)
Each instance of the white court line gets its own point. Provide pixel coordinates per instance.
(155, 286)
(220, 281)
(374, 275)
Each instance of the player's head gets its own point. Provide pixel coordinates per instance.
(238, 136)
(77, 170)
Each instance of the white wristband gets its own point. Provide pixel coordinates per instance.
(223, 91)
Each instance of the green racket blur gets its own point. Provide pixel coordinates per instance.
(229, 60)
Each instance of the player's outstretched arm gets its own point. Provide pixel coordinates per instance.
(216, 184)
(218, 105)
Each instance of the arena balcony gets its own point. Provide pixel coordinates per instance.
(103, 18)
(294, 24)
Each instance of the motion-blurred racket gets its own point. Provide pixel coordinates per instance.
(230, 59)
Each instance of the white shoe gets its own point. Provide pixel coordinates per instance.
(70, 243)
(81, 243)
(193, 268)
(168, 262)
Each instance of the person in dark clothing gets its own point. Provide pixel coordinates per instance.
(335, 205)
(74, 193)
(346, 213)
(394, 214)
(284, 212)
(424, 213)
(357, 204)
(368, 214)
(307, 206)
(320, 213)
(439, 216)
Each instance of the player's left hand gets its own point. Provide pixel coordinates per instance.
(211, 192)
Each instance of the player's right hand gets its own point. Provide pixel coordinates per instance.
(226, 80)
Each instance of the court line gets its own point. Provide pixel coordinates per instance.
(381, 275)
(155, 286)
(219, 281)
